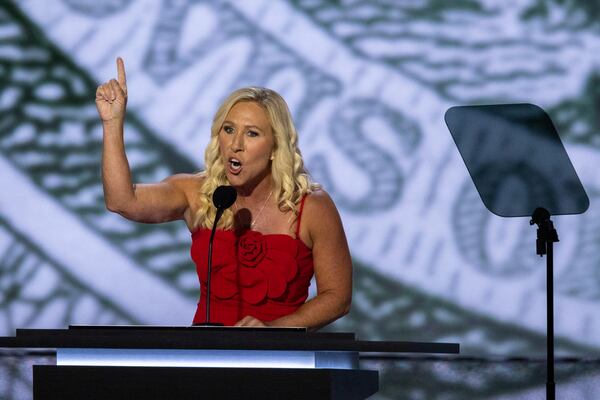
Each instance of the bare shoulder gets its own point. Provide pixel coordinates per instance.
(189, 186)
(320, 216)
(186, 179)
(319, 201)
(186, 183)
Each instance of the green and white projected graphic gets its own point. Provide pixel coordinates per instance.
(368, 83)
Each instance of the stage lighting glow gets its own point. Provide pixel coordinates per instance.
(206, 358)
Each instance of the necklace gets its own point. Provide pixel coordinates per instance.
(259, 212)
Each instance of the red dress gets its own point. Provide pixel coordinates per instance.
(265, 276)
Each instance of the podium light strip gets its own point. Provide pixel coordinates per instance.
(205, 358)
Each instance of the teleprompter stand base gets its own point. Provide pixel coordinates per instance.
(174, 383)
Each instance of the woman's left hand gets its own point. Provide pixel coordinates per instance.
(250, 321)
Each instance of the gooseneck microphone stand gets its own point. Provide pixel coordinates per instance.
(546, 236)
(223, 198)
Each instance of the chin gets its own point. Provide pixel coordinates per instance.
(235, 181)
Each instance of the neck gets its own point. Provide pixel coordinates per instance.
(256, 194)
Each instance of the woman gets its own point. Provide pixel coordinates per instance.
(281, 228)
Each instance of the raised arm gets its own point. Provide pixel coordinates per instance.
(158, 202)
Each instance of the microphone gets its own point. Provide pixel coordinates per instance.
(223, 198)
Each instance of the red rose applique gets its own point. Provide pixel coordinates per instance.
(249, 264)
(264, 269)
(252, 248)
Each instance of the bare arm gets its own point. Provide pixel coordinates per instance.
(159, 202)
(332, 264)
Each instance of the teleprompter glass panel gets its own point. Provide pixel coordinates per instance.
(516, 159)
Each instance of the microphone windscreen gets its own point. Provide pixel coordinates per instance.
(224, 197)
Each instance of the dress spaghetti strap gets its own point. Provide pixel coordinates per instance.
(300, 217)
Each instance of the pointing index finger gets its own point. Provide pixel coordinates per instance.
(121, 78)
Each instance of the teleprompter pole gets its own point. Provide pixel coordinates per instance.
(546, 236)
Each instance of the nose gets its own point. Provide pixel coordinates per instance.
(237, 142)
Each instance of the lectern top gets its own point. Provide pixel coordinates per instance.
(179, 328)
(148, 337)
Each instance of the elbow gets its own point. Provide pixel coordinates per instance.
(343, 307)
(115, 207)
(121, 203)
(346, 308)
(111, 207)
(343, 304)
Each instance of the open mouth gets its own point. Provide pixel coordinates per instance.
(235, 165)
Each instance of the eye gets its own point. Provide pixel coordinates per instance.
(252, 133)
(227, 129)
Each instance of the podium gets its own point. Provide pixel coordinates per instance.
(161, 362)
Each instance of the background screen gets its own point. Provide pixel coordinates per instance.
(368, 84)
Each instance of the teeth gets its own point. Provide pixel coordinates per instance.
(235, 163)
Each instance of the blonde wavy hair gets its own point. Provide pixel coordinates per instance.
(290, 179)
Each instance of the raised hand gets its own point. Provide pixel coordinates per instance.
(111, 97)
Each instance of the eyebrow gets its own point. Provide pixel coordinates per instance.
(246, 126)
